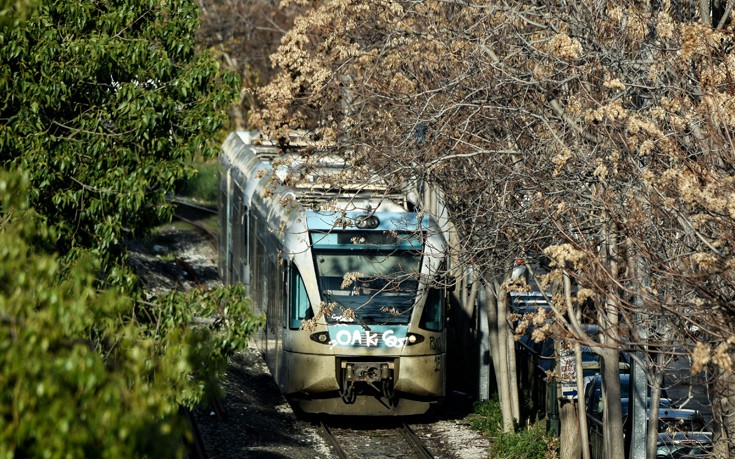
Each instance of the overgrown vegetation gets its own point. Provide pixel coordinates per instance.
(203, 185)
(108, 105)
(104, 105)
(90, 372)
(529, 442)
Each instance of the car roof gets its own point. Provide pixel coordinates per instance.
(678, 413)
(684, 437)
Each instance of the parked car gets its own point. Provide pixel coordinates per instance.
(678, 428)
(684, 445)
(670, 418)
(542, 355)
(595, 403)
(528, 302)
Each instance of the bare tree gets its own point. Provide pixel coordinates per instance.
(243, 35)
(596, 132)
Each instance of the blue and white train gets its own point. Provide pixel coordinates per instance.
(347, 274)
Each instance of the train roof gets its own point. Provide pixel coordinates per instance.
(301, 189)
(317, 178)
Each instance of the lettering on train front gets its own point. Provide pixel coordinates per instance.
(367, 338)
(436, 343)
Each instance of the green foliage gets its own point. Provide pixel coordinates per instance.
(488, 417)
(524, 443)
(203, 185)
(94, 373)
(211, 346)
(14, 11)
(103, 105)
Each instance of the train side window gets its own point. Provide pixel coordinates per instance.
(222, 237)
(433, 316)
(250, 243)
(278, 294)
(271, 306)
(243, 236)
(285, 292)
(259, 272)
(237, 241)
(300, 307)
(245, 227)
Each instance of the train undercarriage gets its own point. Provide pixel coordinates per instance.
(366, 388)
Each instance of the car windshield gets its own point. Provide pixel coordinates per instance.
(675, 451)
(367, 278)
(680, 425)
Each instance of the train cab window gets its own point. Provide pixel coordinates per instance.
(433, 316)
(300, 307)
(371, 278)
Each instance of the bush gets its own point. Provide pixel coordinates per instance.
(525, 443)
(488, 418)
(203, 186)
(92, 372)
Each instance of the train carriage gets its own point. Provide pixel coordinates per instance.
(348, 277)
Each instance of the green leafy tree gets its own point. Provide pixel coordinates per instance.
(103, 105)
(14, 10)
(87, 373)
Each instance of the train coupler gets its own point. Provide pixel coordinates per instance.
(369, 372)
(377, 375)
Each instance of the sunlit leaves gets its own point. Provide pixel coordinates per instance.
(106, 102)
(90, 373)
(102, 105)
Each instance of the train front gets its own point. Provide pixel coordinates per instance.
(368, 298)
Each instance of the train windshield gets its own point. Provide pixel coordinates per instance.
(369, 278)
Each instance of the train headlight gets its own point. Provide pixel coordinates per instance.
(367, 222)
(321, 337)
(413, 338)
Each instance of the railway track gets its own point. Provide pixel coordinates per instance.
(199, 216)
(362, 440)
(203, 219)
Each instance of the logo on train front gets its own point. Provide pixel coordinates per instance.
(356, 336)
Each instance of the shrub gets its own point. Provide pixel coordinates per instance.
(524, 443)
(203, 186)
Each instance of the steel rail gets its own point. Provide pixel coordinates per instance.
(416, 442)
(194, 445)
(189, 203)
(204, 228)
(333, 440)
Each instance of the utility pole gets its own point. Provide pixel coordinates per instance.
(637, 404)
(638, 411)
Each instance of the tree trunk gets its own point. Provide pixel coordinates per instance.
(612, 416)
(583, 437)
(510, 356)
(574, 315)
(570, 446)
(723, 411)
(498, 344)
(504, 375)
(656, 382)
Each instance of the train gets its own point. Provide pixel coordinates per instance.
(348, 273)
